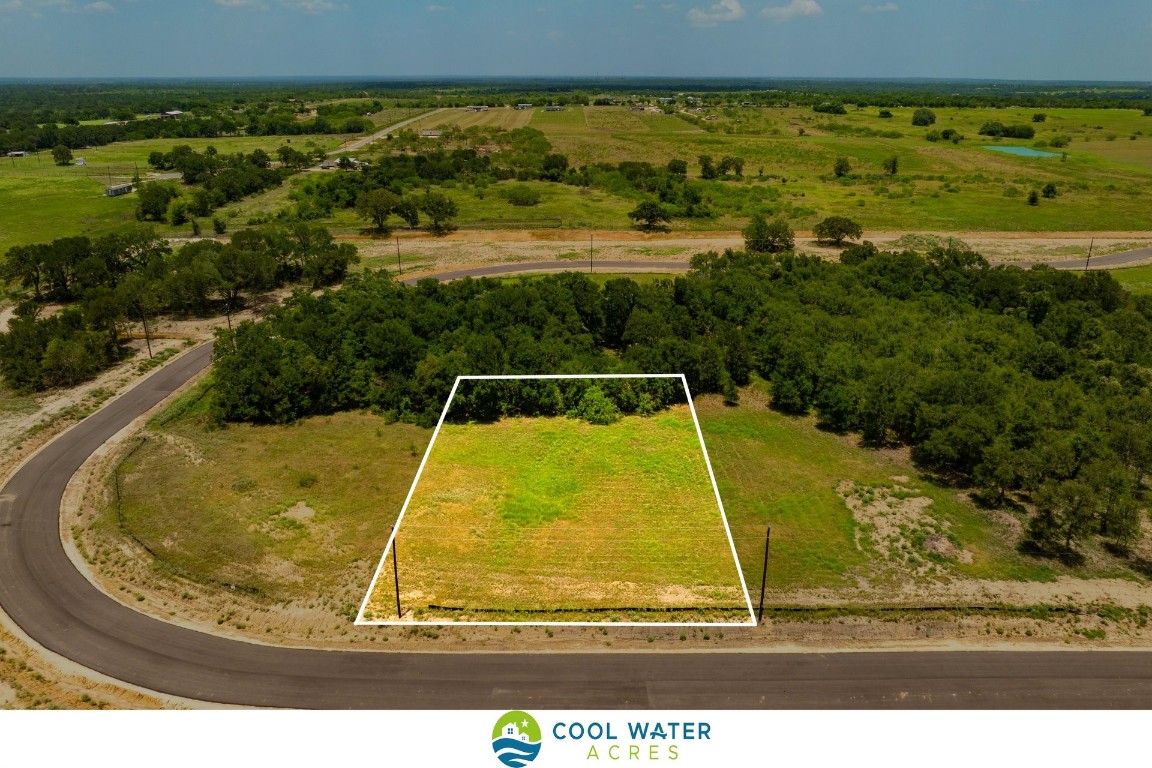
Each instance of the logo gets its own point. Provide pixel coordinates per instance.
(516, 739)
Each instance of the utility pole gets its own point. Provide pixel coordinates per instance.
(396, 576)
(590, 254)
(1091, 243)
(764, 575)
(399, 268)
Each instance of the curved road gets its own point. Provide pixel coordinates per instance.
(1112, 260)
(61, 610)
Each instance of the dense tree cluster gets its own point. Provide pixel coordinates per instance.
(132, 275)
(998, 129)
(1030, 384)
(600, 401)
(222, 179)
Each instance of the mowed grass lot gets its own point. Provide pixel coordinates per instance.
(555, 514)
(1134, 279)
(780, 471)
(36, 208)
(285, 511)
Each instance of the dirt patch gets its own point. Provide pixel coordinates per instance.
(300, 511)
(893, 522)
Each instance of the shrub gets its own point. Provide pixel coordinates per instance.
(923, 117)
(522, 194)
(596, 408)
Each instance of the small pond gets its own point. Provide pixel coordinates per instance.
(1023, 151)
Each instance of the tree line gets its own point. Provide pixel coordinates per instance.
(129, 277)
(1027, 385)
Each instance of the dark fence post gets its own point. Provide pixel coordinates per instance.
(763, 577)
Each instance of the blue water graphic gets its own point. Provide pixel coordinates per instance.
(515, 753)
(1023, 151)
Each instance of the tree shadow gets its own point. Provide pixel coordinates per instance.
(1033, 548)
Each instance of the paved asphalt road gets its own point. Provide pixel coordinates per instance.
(361, 143)
(1122, 259)
(496, 270)
(60, 609)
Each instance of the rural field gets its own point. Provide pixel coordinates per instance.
(1101, 174)
(296, 518)
(531, 519)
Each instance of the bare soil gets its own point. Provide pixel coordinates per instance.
(424, 254)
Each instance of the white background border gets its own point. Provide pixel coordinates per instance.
(362, 622)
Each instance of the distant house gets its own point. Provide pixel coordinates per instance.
(431, 133)
(637, 108)
(477, 108)
(523, 106)
(171, 114)
(80, 161)
(329, 164)
(665, 100)
(118, 189)
(17, 153)
(553, 109)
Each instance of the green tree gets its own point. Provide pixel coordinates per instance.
(678, 168)
(923, 117)
(441, 210)
(1049, 190)
(408, 210)
(886, 114)
(26, 264)
(892, 165)
(1033, 198)
(376, 205)
(837, 229)
(649, 215)
(152, 201)
(763, 236)
(1066, 513)
(61, 155)
(707, 169)
(238, 270)
(841, 167)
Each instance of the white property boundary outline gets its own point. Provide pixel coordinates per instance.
(361, 621)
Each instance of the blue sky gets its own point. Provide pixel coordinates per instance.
(996, 39)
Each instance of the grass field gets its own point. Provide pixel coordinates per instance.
(1134, 279)
(496, 117)
(304, 512)
(40, 201)
(36, 208)
(283, 512)
(551, 515)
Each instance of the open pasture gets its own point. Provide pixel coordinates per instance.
(555, 518)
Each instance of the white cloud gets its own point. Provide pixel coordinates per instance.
(242, 4)
(9, 6)
(310, 6)
(792, 10)
(434, 8)
(669, 7)
(725, 10)
(98, 7)
(885, 8)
